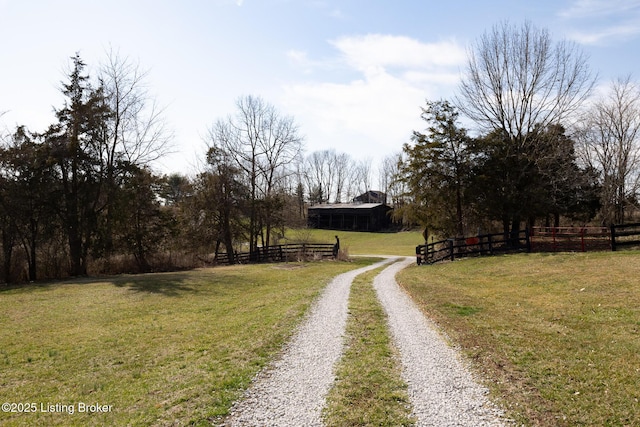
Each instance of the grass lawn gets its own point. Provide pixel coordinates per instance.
(558, 336)
(402, 243)
(158, 348)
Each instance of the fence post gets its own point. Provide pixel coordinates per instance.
(451, 249)
(490, 239)
(613, 237)
(527, 239)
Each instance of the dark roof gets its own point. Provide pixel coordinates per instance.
(347, 206)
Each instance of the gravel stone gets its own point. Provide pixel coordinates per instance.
(292, 391)
(441, 390)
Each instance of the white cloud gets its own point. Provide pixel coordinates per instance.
(599, 8)
(298, 56)
(375, 113)
(376, 50)
(602, 21)
(622, 31)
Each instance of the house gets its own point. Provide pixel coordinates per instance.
(371, 196)
(350, 216)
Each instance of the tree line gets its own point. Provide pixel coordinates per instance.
(545, 149)
(81, 197)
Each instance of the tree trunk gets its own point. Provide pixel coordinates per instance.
(7, 251)
(459, 218)
(33, 246)
(515, 229)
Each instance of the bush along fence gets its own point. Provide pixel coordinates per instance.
(538, 239)
(283, 253)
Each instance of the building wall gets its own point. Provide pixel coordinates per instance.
(350, 219)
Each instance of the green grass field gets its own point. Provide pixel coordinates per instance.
(556, 336)
(355, 243)
(158, 348)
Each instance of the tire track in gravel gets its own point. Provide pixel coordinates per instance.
(442, 392)
(292, 390)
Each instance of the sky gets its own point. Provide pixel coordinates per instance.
(352, 73)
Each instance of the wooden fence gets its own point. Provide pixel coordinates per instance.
(485, 244)
(282, 253)
(541, 239)
(570, 239)
(625, 235)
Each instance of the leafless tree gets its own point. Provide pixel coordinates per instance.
(609, 142)
(343, 166)
(264, 144)
(389, 182)
(363, 176)
(138, 132)
(319, 176)
(328, 175)
(517, 79)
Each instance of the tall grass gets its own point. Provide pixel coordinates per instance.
(557, 336)
(159, 348)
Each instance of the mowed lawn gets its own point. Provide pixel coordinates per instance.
(556, 336)
(157, 348)
(402, 243)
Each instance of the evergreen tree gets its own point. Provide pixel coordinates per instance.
(75, 142)
(436, 170)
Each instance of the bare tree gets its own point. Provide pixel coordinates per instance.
(137, 132)
(343, 165)
(390, 181)
(362, 177)
(319, 176)
(517, 79)
(263, 144)
(609, 142)
(328, 175)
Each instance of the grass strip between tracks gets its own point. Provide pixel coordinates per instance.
(369, 390)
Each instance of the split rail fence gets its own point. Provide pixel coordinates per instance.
(625, 235)
(570, 239)
(485, 244)
(539, 239)
(282, 253)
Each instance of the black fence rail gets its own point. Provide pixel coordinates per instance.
(625, 235)
(282, 253)
(485, 244)
(540, 239)
(570, 239)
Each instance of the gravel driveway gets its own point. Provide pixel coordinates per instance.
(442, 392)
(292, 390)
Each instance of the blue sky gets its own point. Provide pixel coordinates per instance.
(353, 73)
